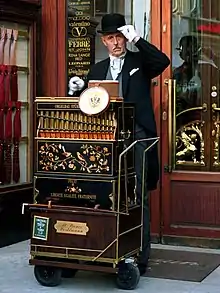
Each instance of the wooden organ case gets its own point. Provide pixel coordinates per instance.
(78, 154)
(85, 215)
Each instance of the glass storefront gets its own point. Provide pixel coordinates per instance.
(195, 69)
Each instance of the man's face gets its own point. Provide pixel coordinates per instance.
(115, 43)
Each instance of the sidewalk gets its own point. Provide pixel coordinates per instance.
(17, 276)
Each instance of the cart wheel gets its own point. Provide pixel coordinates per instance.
(48, 276)
(69, 273)
(128, 276)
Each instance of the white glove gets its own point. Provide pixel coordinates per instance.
(75, 84)
(129, 32)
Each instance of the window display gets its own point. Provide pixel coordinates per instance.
(15, 89)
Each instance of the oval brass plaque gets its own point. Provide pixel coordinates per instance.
(75, 228)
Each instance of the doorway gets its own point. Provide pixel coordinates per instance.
(190, 123)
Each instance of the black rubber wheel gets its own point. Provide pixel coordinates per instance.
(128, 276)
(69, 273)
(48, 276)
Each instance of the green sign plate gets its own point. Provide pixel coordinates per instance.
(40, 228)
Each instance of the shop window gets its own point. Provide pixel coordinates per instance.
(15, 92)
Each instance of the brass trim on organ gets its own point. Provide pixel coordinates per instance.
(69, 100)
(35, 253)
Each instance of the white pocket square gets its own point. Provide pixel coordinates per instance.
(133, 71)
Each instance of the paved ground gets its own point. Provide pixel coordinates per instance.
(16, 276)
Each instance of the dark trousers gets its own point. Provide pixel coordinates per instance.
(139, 152)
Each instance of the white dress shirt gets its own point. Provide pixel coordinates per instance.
(116, 64)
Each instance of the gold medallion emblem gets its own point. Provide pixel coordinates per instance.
(94, 100)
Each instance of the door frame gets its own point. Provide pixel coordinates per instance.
(185, 234)
(155, 196)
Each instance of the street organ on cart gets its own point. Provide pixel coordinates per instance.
(85, 215)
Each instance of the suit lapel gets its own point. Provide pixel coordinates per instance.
(102, 70)
(129, 64)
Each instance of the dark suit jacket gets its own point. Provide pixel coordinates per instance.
(136, 88)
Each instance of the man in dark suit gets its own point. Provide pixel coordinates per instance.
(134, 71)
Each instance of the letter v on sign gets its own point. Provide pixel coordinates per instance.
(79, 31)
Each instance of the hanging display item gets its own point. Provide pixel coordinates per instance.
(10, 108)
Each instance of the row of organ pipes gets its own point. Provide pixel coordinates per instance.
(76, 125)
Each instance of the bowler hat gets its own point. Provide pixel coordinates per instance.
(111, 22)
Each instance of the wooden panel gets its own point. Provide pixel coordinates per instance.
(97, 238)
(195, 176)
(53, 39)
(49, 48)
(131, 240)
(156, 93)
(166, 35)
(195, 203)
(61, 35)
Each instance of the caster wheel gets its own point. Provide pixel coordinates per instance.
(128, 276)
(48, 276)
(68, 273)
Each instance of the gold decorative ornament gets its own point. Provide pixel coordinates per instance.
(190, 144)
(90, 158)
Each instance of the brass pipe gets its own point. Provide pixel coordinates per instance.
(57, 124)
(66, 125)
(169, 83)
(47, 125)
(52, 125)
(173, 121)
(62, 119)
(41, 124)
